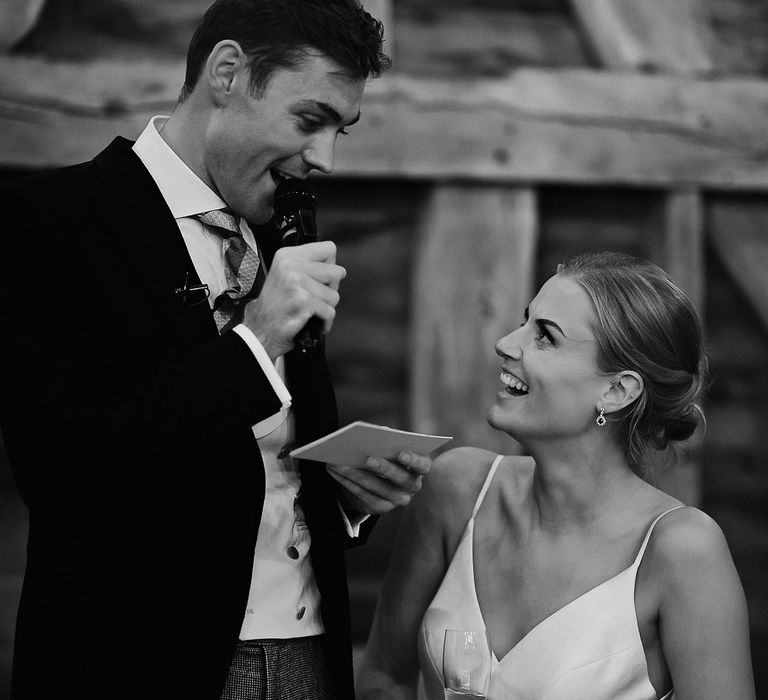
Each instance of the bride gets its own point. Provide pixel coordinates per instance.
(594, 584)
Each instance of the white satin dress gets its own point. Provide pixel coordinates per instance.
(590, 649)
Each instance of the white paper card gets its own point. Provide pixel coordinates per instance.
(354, 443)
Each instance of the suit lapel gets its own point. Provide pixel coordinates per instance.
(147, 233)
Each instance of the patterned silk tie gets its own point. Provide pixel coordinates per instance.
(245, 274)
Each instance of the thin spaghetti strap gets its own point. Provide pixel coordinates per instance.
(639, 556)
(486, 484)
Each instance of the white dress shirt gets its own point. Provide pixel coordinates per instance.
(284, 601)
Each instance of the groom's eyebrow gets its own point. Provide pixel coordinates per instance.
(332, 115)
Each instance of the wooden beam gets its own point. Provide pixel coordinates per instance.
(17, 17)
(647, 35)
(738, 231)
(574, 126)
(473, 277)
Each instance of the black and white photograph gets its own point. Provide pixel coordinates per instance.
(384, 349)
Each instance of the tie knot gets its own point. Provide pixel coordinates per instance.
(222, 219)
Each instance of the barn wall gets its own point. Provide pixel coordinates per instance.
(376, 222)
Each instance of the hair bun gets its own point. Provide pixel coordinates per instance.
(645, 323)
(679, 427)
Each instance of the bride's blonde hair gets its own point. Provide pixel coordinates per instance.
(644, 322)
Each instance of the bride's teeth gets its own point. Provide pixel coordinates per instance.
(513, 382)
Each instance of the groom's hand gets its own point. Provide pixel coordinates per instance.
(381, 485)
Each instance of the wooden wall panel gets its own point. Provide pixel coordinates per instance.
(739, 233)
(734, 473)
(739, 28)
(453, 40)
(17, 17)
(651, 35)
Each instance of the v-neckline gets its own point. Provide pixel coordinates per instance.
(541, 622)
(470, 533)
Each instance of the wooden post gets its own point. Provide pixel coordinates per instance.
(680, 251)
(474, 275)
(647, 35)
(682, 255)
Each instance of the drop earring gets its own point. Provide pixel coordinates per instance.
(600, 420)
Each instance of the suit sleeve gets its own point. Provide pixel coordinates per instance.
(100, 393)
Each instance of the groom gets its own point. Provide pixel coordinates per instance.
(151, 391)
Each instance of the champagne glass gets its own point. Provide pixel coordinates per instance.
(466, 664)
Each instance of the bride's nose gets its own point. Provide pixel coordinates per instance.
(509, 345)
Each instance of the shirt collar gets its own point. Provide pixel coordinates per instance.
(183, 191)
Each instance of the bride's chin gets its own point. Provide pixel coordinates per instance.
(505, 421)
(496, 419)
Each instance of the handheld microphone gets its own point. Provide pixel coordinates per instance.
(295, 218)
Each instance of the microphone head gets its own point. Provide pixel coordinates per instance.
(291, 196)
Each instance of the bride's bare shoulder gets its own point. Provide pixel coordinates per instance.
(460, 473)
(452, 487)
(462, 465)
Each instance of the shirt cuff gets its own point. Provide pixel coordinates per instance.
(352, 526)
(265, 363)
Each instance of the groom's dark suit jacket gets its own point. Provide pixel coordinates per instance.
(127, 420)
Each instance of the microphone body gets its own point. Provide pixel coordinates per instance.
(295, 206)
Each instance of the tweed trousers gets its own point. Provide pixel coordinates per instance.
(278, 669)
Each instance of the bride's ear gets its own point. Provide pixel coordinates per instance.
(625, 388)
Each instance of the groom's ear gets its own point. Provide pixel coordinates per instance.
(225, 66)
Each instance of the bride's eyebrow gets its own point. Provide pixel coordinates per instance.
(551, 324)
(545, 322)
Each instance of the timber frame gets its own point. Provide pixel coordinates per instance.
(535, 126)
(485, 145)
